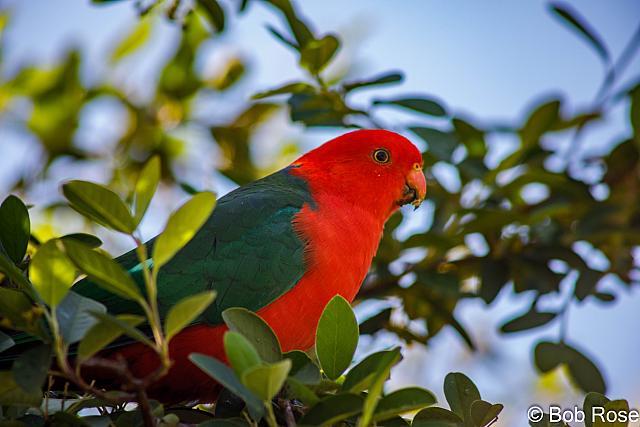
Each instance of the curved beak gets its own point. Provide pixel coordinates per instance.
(415, 187)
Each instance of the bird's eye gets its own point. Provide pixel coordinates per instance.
(381, 156)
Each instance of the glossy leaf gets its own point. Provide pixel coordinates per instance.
(460, 392)
(382, 373)
(333, 409)
(6, 342)
(74, 316)
(240, 352)
(336, 337)
(103, 270)
(360, 377)
(302, 367)
(422, 105)
(51, 273)
(88, 239)
(256, 330)
(225, 376)
(15, 228)
(267, 379)
(182, 225)
(436, 417)
(401, 401)
(146, 186)
(99, 204)
(105, 332)
(31, 367)
(185, 311)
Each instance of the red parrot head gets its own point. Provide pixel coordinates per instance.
(377, 170)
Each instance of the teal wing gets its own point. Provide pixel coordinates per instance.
(247, 251)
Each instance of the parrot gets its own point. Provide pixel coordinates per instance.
(282, 246)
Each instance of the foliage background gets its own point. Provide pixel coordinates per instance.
(490, 61)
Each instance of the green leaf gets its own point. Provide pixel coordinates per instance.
(15, 228)
(225, 422)
(214, 13)
(105, 332)
(423, 105)
(541, 119)
(240, 353)
(266, 380)
(51, 273)
(31, 367)
(14, 273)
(185, 311)
(182, 225)
(16, 307)
(100, 204)
(460, 392)
(529, 320)
(441, 144)
(332, 409)
(12, 394)
(317, 54)
(614, 406)
(88, 239)
(401, 401)
(436, 417)
(74, 316)
(336, 337)
(634, 114)
(225, 376)
(591, 400)
(302, 367)
(383, 371)
(146, 187)
(484, 413)
(360, 377)
(382, 79)
(6, 342)
(102, 270)
(297, 87)
(133, 41)
(571, 17)
(256, 330)
(297, 390)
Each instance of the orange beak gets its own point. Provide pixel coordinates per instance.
(415, 187)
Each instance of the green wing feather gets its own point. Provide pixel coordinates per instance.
(247, 251)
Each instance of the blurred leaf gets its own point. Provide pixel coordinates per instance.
(214, 13)
(74, 316)
(133, 41)
(146, 187)
(302, 367)
(529, 320)
(382, 79)
(401, 401)
(382, 373)
(332, 409)
(8, 268)
(266, 380)
(317, 54)
(31, 367)
(99, 204)
(540, 121)
(494, 275)
(423, 105)
(12, 394)
(634, 114)
(240, 352)
(103, 270)
(440, 144)
(297, 87)
(256, 330)
(225, 376)
(327, 109)
(6, 342)
(225, 422)
(105, 332)
(87, 239)
(182, 225)
(185, 311)
(336, 337)
(620, 406)
(361, 376)
(376, 322)
(460, 392)
(569, 15)
(20, 311)
(605, 296)
(484, 413)
(436, 417)
(51, 273)
(15, 228)
(299, 28)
